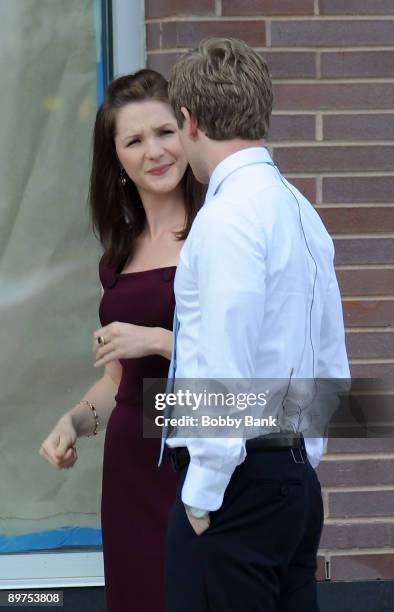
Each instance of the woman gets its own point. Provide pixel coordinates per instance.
(143, 199)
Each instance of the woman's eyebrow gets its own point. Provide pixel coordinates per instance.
(163, 126)
(155, 129)
(128, 136)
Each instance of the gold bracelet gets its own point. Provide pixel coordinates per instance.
(96, 419)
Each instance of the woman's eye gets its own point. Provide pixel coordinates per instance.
(133, 142)
(167, 132)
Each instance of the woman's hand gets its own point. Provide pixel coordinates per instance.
(127, 341)
(58, 448)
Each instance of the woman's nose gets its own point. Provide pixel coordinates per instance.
(154, 148)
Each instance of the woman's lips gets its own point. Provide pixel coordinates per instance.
(160, 170)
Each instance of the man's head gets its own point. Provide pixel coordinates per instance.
(222, 89)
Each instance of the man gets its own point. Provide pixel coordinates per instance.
(257, 298)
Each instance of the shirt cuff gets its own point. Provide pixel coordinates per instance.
(204, 488)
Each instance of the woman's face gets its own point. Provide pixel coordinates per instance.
(148, 146)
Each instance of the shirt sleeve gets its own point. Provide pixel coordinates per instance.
(230, 269)
(333, 372)
(332, 361)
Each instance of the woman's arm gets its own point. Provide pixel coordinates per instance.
(58, 448)
(102, 396)
(128, 341)
(161, 342)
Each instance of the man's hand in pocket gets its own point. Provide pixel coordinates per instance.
(199, 525)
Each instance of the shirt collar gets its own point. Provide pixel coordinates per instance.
(245, 157)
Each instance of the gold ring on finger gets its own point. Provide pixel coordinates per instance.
(101, 340)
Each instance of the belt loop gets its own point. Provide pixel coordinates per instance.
(301, 460)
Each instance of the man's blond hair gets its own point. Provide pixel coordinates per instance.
(226, 86)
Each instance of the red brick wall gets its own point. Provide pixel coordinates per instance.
(332, 134)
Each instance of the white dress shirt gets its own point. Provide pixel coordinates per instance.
(244, 289)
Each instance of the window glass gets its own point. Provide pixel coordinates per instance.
(52, 75)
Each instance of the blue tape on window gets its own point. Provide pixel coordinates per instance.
(64, 537)
(99, 83)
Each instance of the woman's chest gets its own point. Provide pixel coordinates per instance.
(141, 299)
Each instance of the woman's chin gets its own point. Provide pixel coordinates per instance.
(164, 186)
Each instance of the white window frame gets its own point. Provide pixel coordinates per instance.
(57, 568)
(52, 569)
(128, 31)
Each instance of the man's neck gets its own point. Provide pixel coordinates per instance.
(218, 150)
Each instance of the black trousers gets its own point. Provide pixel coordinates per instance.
(259, 553)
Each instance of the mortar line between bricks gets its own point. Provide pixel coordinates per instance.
(364, 456)
(365, 266)
(319, 190)
(291, 49)
(373, 393)
(378, 111)
(342, 79)
(367, 361)
(318, 64)
(334, 81)
(338, 174)
(280, 144)
(319, 127)
(343, 205)
(262, 17)
(327, 49)
(367, 330)
(268, 33)
(333, 113)
(359, 520)
(343, 142)
(360, 236)
(218, 8)
(169, 51)
(368, 298)
(345, 552)
(325, 18)
(359, 489)
(325, 504)
(389, 297)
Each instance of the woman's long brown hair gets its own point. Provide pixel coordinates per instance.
(117, 214)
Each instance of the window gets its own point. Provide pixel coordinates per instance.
(56, 59)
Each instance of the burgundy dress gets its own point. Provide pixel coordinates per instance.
(136, 494)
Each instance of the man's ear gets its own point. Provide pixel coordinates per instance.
(190, 124)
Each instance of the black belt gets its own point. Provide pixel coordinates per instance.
(179, 456)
